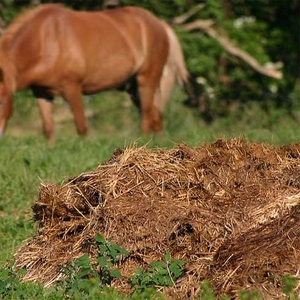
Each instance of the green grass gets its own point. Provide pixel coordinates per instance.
(27, 159)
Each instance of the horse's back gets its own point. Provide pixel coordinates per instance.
(132, 17)
(86, 45)
(144, 30)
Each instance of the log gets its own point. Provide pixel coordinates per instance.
(269, 69)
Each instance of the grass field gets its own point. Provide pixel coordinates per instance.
(27, 159)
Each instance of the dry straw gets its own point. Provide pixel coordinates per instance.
(230, 210)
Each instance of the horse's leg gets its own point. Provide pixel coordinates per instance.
(6, 112)
(157, 112)
(72, 94)
(46, 111)
(151, 115)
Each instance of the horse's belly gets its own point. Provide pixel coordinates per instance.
(104, 78)
(95, 87)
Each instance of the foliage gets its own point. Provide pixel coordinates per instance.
(206, 292)
(108, 256)
(249, 295)
(225, 80)
(160, 274)
(12, 288)
(83, 283)
(289, 283)
(83, 279)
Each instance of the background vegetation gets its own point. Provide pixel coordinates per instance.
(239, 102)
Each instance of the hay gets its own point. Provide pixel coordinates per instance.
(230, 210)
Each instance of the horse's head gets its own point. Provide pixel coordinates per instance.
(5, 102)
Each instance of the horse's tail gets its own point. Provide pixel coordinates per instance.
(174, 70)
(176, 60)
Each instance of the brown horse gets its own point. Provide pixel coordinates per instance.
(58, 51)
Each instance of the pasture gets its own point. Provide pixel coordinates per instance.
(27, 159)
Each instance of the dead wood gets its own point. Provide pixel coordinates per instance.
(206, 26)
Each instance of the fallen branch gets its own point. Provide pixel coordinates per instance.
(205, 26)
(182, 18)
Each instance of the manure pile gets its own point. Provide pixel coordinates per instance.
(230, 210)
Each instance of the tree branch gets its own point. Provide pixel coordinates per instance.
(182, 18)
(205, 26)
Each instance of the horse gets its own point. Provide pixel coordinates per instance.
(54, 50)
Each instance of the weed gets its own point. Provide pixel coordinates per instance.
(290, 283)
(85, 280)
(108, 256)
(249, 295)
(207, 292)
(11, 286)
(160, 274)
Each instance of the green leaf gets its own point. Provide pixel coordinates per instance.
(115, 273)
(121, 250)
(290, 283)
(83, 261)
(102, 260)
(168, 256)
(176, 267)
(157, 264)
(99, 239)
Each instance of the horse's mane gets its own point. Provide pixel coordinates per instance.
(23, 18)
